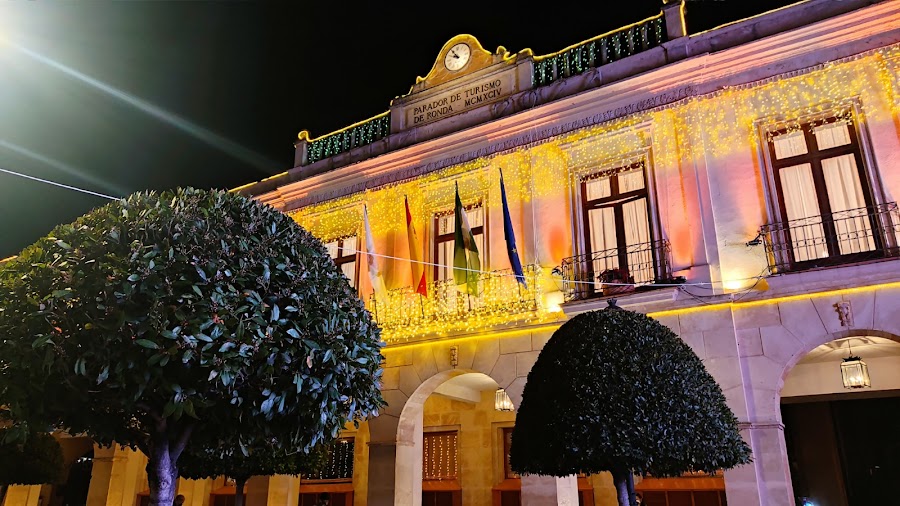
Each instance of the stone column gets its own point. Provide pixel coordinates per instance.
(256, 491)
(767, 480)
(114, 476)
(383, 454)
(195, 492)
(549, 490)
(284, 490)
(22, 495)
(382, 461)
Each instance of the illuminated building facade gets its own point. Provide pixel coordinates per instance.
(739, 185)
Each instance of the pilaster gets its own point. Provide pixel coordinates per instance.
(114, 476)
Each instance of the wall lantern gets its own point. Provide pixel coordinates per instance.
(855, 373)
(502, 402)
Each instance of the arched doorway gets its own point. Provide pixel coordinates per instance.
(841, 448)
(450, 441)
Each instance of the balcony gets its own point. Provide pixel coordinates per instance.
(599, 273)
(405, 314)
(855, 235)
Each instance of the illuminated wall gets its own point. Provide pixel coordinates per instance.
(704, 154)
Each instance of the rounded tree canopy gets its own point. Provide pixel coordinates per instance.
(614, 389)
(190, 306)
(37, 461)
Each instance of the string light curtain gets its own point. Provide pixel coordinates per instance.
(339, 463)
(440, 456)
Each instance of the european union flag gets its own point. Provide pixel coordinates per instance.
(511, 237)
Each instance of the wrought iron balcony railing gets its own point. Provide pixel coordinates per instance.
(855, 235)
(500, 298)
(615, 270)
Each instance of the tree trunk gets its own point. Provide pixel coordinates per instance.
(167, 442)
(239, 491)
(624, 482)
(632, 498)
(162, 474)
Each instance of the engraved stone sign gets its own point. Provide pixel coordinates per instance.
(464, 97)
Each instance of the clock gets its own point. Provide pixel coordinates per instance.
(457, 56)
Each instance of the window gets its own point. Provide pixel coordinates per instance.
(440, 469)
(617, 226)
(338, 462)
(343, 251)
(439, 461)
(334, 480)
(823, 194)
(445, 228)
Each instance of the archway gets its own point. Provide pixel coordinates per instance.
(837, 453)
(448, 434)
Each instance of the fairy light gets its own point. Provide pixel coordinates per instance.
(714, 126)
(405, 315)
(339, 463)
(440, 456)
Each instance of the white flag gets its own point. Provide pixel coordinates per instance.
(374, 272)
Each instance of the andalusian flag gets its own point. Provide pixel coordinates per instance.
(415, 254)
(466, 264)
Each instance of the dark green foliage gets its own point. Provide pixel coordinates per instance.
(37, 461)
(169, 317)
(262, 461)
(617, 390)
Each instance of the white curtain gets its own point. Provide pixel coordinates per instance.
(848, 205)
(597, 188)
(631, 180)
(790, 144)
(332, 248)
(349, 270)
(603, 238)
(637, 231)
(807, 235)
(349, 246)
(832, 135)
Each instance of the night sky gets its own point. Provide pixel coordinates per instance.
(121, 96)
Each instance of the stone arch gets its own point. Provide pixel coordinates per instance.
(408, 465)
(809, 346)
(808, 393)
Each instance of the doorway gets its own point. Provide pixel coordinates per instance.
(844, 450)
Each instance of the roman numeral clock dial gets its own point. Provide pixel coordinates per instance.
(457, 57)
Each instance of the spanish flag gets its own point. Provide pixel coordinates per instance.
(415, 254)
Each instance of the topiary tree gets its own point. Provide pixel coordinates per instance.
(35, 461)
(167, 317)
(614, 390)
(263, 460)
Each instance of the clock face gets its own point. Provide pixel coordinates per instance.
(457, 56)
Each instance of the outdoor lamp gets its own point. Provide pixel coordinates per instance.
(502, 402)
(855, 373)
